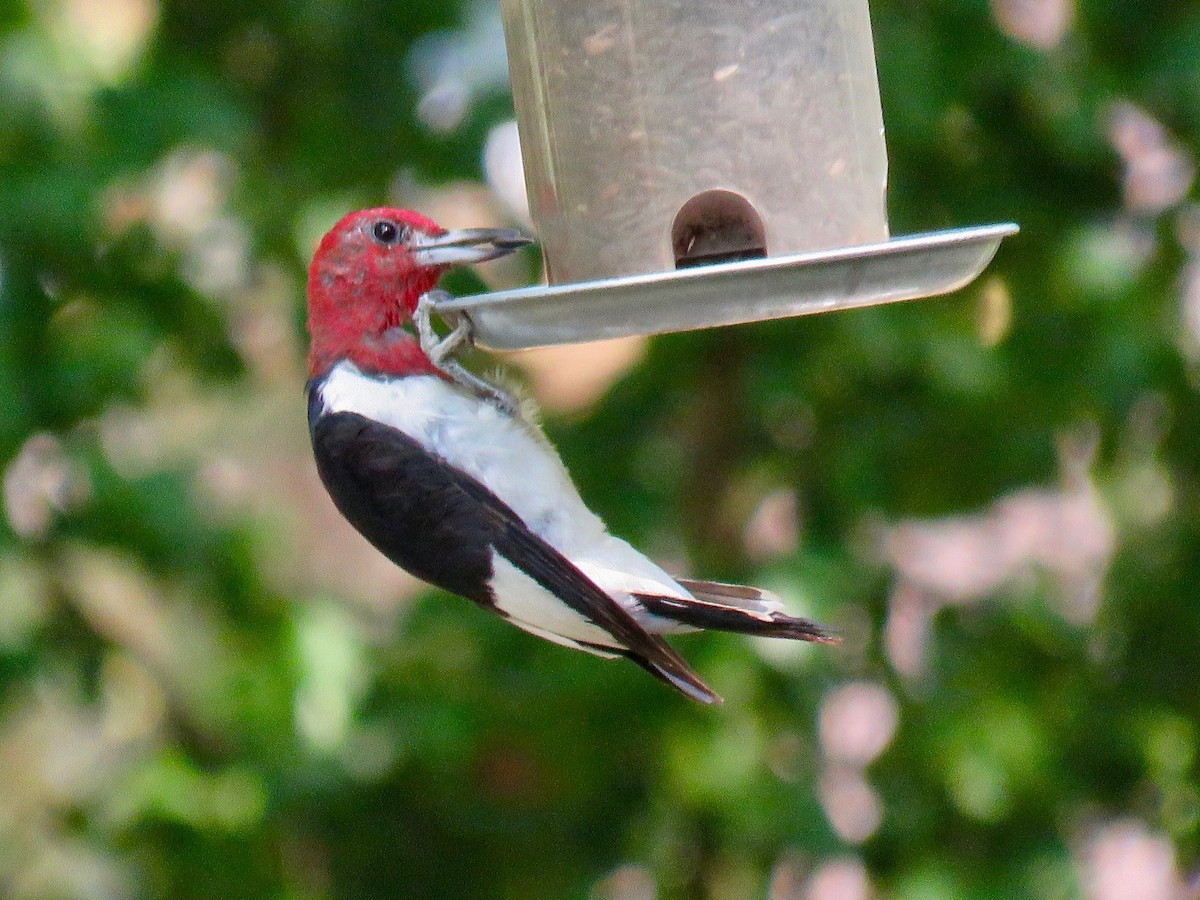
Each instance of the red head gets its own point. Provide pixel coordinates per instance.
(366, 278)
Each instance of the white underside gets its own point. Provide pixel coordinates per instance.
(516, 462)
(533, 608)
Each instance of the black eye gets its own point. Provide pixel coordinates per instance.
(386, 232)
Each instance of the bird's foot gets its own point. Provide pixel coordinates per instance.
(442, 350)
(439, 350)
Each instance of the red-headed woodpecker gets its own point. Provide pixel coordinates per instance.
(461, 489)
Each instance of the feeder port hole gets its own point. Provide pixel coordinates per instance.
(717, 226)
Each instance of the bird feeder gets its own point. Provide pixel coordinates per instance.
(698, 163)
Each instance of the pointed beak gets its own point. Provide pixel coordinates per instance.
(467, 245)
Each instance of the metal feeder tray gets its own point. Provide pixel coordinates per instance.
(719, 294)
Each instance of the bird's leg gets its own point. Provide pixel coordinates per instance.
(441, 350)
(481, 387)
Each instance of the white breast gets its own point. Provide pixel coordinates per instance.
(514, 462)
(512, 459)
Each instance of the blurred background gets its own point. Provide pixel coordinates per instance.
(210, 687)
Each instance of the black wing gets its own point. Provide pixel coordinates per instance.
(441, 525)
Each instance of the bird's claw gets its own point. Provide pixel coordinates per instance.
(442, 350)
(461, 336)
(439, 349)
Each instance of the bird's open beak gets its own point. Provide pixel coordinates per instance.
(467, 245)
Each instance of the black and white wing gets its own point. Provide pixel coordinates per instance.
(448, 528)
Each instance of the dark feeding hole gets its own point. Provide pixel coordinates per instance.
(715, 227)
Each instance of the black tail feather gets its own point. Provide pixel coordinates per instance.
(686, 682)
(719, 617)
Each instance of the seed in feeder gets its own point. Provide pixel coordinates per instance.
(725, 72)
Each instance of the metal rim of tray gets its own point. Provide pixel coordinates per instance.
(903, 268)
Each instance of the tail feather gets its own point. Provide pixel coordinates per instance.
(737, 608)
(685, 681)
(719, 590)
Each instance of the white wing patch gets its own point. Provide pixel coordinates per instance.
(538, 611)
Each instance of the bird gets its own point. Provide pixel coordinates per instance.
(462, 489)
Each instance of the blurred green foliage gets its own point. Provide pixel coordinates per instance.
(179, 717)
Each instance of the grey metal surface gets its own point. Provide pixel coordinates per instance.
(630, 108)
(903, 268)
